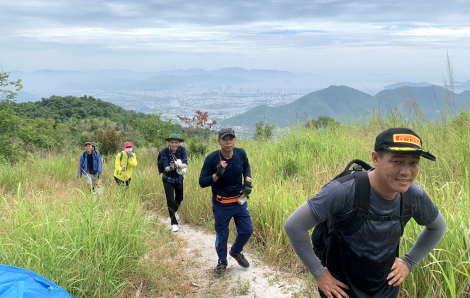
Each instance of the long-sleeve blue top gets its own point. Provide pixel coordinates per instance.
(173, 176)
(231, 182)
(83, 165)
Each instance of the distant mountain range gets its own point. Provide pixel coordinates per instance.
(457, 85)
(407, 84)
(44, 83)
(344, 103)
(339, 102)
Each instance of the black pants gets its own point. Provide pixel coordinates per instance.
(120, 182)
(174, 197)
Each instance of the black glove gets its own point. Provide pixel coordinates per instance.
(247, 188)
(220, 170)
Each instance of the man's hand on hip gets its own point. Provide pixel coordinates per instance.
(399, 272)
(332, 287)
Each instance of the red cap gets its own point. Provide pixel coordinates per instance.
(127, 144)
(88, 143)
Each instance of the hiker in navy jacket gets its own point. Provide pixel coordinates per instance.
(175, 161)
(224, 171)
(90, 166)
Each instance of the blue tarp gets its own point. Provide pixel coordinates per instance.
(21, 283)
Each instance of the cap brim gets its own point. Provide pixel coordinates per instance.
(428, 155)
(421, 152)
(227, 134)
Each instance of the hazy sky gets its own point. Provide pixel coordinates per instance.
(391, 40)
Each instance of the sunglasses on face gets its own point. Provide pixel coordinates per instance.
(228, 129)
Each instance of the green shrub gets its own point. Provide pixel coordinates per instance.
(289, 167)
(197, 147)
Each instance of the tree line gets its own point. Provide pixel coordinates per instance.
(63, 122)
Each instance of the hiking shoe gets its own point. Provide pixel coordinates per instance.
(240, 259)
(219, 269)
(177, 216)
(174, 228)
(94, 192)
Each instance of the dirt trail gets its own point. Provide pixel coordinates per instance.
(257, 281)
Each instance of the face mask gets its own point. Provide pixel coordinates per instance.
(128, 150)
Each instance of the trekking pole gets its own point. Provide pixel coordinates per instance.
(125, 176)
(125, 180)
(97, 182)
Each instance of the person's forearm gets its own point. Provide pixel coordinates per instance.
(247, 172)
(297, 227)
(205, 181)
(426, 241)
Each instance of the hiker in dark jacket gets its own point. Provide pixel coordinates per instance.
(365, 263)
(90, 166)
(227, 171)
(175, 161)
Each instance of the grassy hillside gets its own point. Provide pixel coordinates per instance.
(103, 246)
(338, 102)
(344, 103)
(290, 170)
(431, 100)
(95, 248)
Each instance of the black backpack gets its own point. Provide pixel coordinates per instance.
(160, 161)
(323, 233)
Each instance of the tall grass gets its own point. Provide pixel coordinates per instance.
(91, 246)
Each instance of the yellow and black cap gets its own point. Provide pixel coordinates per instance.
(403, 140)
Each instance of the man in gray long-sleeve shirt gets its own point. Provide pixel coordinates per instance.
(364, 264)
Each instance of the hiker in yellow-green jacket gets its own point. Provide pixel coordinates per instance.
(125, 162)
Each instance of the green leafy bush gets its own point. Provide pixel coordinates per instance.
(289, 167)
(197, 147)
(109, 141)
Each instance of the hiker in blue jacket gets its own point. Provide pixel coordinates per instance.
(175, 161)
(90, 166)
(224, 171)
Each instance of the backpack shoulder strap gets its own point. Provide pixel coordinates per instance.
(361, 205)
(121, 155)
(406, 209)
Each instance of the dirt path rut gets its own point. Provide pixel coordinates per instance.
(257, 281)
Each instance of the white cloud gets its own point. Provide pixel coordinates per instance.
(296, 34)
(462, 32)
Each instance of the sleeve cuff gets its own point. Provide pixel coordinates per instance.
(409, 262)
(318, 274)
